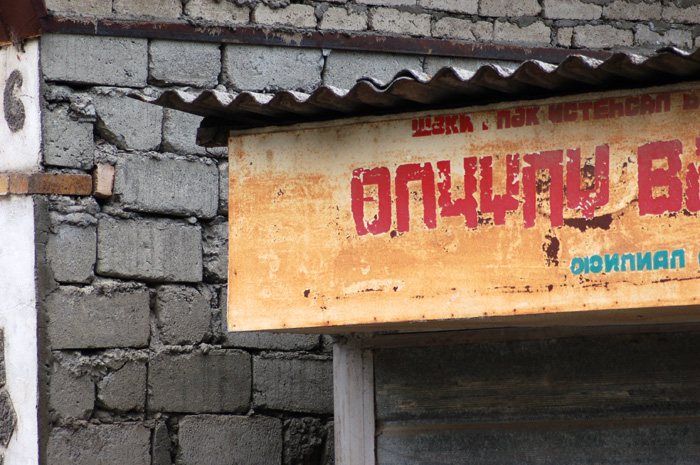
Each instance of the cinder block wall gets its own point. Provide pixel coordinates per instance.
(138, 368)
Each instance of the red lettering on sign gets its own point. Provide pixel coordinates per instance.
(550, 160)
(587, 200)
(424, 174)
(465, 206)
(441, 125)
(381, 177)
(692, 192)
(502, 203)
(691, 102)
(650, 178)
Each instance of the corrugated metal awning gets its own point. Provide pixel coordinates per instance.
(415, 91)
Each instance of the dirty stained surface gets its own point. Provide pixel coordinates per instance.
(572, 204)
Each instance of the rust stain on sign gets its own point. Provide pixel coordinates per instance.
(568, 205)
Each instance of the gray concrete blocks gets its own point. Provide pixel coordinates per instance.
(305, 440)
(180, 132)
(67, 142)
(98, 317)
(183, 314)
(149, 249)
(536, 33)
(399, 22)
(124, 390)
(644, 35)
(468, 7)
(112, 61)
(230, 440)
(219, 381)
(293, 384)
(119, 443)
(185, 63)
(71, 252)
(257, 67)
(296, 15)
(571, 9)
(509, 8)
(341, 19)
(455, 28)
(683, 15)
(126, 122)
(223, 188)
(343, 69)
(71, 395)
(633, 11)
(215, 251)
(217, 11)
(81, 7)
(602, 36)
(150, 8)
(155, 183)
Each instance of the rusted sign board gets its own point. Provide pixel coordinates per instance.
(572, 205)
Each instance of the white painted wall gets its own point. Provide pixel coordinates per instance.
(20, 151)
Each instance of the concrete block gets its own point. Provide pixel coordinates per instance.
(123, 443)
(151, 8)
(8, 419)
(71, 395)
(509, 8)
(98, 317)
(676, 14)
(304, 440)
(467, 7)
(293, 384)
(183, 314)
(215, 251)
(343, 69)
(71, 252)
(644, 35)
(339, 18)
(435, 64)
(151, 250)
(230, 440)
(217, 11)
(633, 11)
(3, 376)
(173, 186)
(180, 132)
(67, 142)
(258, 67)
(536, 33)
(295, 15)
(571, 9)
(160, 448)
(80, 59)
(564, 36)
(388, 2)
(399, 22)
(223, 188)
(126, 122)
(219, 381)
(185, 63)
(602, 36)
(80, 7)
(464, 29)
(125, 389)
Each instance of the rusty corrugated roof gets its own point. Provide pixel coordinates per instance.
(449, 88)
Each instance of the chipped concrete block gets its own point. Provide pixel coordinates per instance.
(79, 59)
(399, 22)
(71, 395)
(338, 18)
(174, 62)
(123, 443)
(126, 122)
(602, 36)
(455, 28)
(71, 252)
(467, 7)
(633, 11)
(536, 33)
(150, 250)
(257, 67)
(67, 142)
(183, 314)
(151, 8)
(509, 8)
(222, 12)
(571, 9)
(124, 390)
(296, 15)
(80, 7)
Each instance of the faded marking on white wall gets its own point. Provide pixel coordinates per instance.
(20, 117)
(18, 317)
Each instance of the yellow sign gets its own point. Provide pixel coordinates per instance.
(565, 205)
